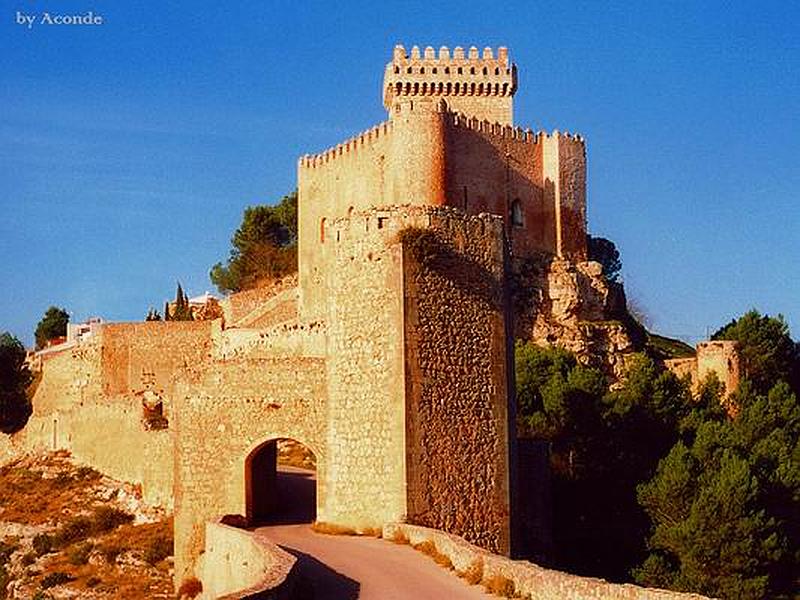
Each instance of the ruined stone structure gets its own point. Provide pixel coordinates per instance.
(719, 357)
(389, 355)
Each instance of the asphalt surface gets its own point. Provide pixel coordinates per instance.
(349, 567)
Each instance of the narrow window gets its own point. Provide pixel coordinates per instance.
(322, 231)
(516, 213)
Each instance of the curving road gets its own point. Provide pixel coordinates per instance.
(346, 567)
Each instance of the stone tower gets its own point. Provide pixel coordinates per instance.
(480, 85)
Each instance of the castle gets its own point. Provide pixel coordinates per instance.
(389, 355)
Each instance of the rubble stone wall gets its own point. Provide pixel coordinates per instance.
(458, 398)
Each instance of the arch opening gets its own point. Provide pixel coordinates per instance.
(281, 483)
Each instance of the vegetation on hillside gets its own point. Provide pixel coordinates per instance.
(605, 252)
(52, 325)
(67, 531)
(15, 378)
(264, 247)
(651, 482)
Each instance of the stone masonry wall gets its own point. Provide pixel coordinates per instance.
(366, 403)
(457, 393)
(489, 167)
(149, 356)
(74, 410)
(241, 404)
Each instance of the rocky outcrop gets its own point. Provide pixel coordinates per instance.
(558, 302)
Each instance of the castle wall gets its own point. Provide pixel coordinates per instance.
(71, 411)
(572, 196)
(457, 374)
(239, 406)
(240, 306)
(489, 167)
(352, 175)
(718, 357)
(365, 416)
(139, 356)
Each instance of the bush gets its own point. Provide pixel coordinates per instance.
(4, 579)
(79, 554)
(111, 552)
(106, 518)
(158, 549)
(76, 529)
(93, 581)
(54, 579)
(8, 546)
(500, 585)
(190, 588)
(42, 544)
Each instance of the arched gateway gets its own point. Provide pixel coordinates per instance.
(401, 391)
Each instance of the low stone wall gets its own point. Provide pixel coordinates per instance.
(244, 564)
(530, 580)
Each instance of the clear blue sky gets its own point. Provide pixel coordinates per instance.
(129, 150)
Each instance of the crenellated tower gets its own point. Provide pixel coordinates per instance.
(477, 84)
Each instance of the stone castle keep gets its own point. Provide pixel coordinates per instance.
(389, 355)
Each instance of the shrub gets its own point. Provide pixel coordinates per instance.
(79, 554)
(8, 546)
(54, 579)
(28, 559)
(4, 579)
(400, 538)
(93, 581)
(76, 529)
(111, 552)
(474, 573)
(85, 472)
(499, 585)
(158, 549)
(106, 518)
(42, 544)
(190, 588)
(429, 548)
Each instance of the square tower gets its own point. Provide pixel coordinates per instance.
(479, 85)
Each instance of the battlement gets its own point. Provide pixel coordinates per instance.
(362, 140)
(510, 132)
(468, 80)
(497, 129)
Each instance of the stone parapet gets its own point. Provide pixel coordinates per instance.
(528, 579)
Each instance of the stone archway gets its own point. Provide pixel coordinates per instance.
(280, 483)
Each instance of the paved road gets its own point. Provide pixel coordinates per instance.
(347, 568)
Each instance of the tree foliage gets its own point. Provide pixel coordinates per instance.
(724, 501)
(603, 443)
(768, 352)
(605, 252)
(53, 325)
(15, 408)
(263, 247)
(649, 480)
(181, 311)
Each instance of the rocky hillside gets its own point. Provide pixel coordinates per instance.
(66, 531)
